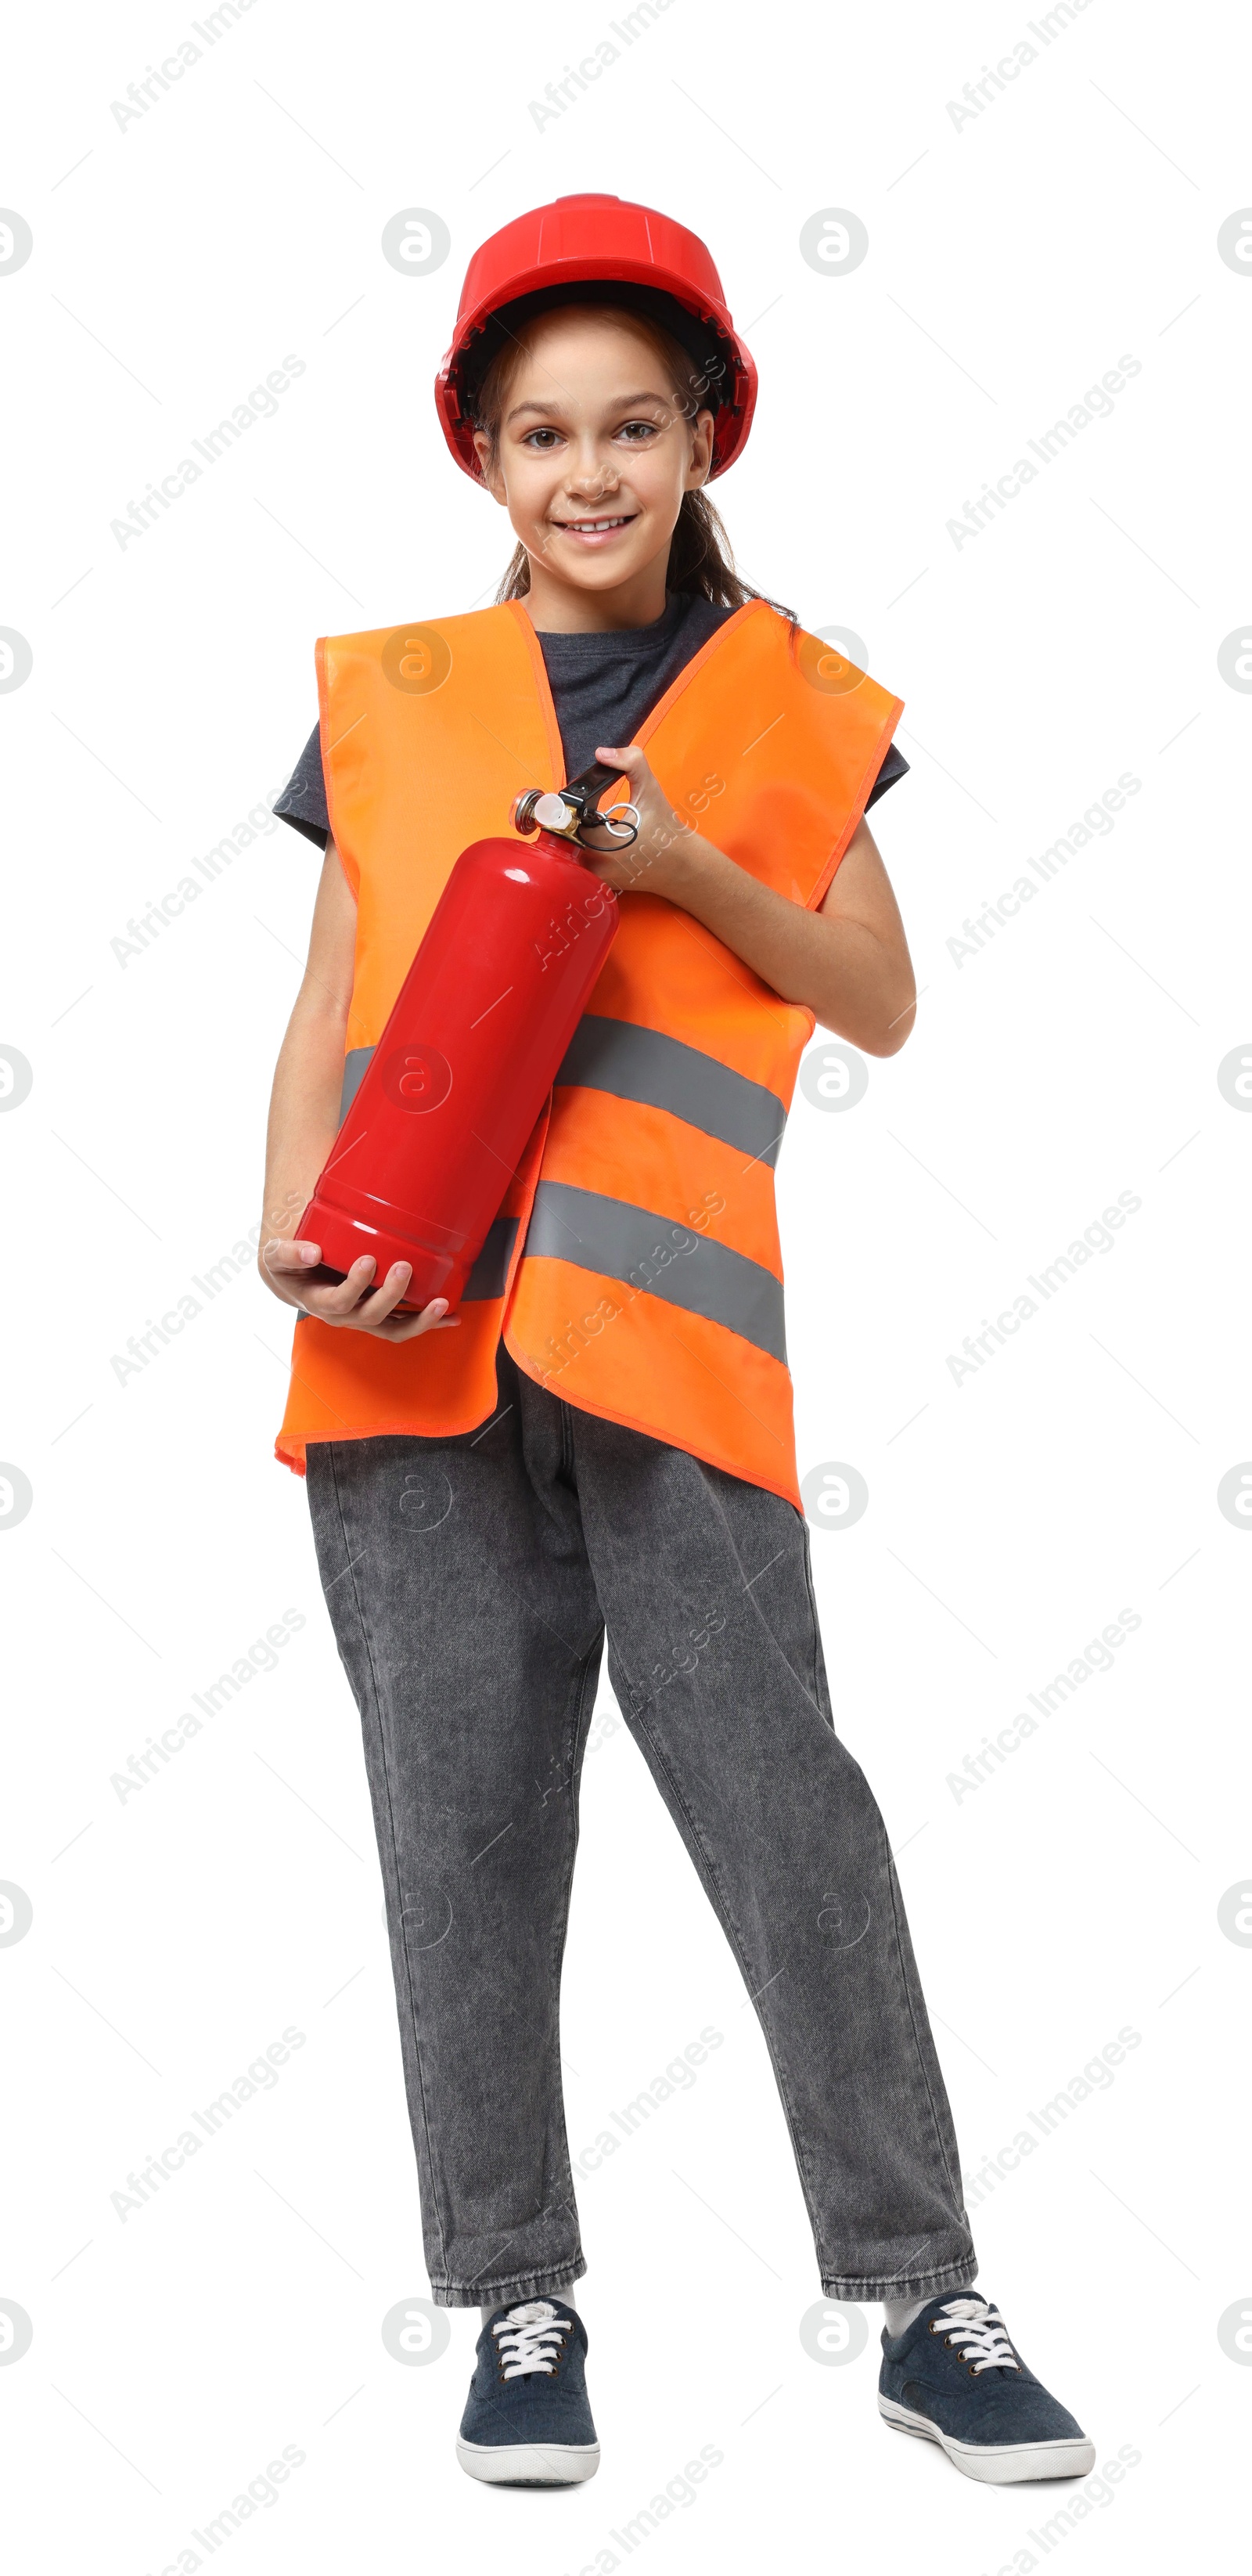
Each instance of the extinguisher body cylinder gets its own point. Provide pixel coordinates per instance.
(440, 1119)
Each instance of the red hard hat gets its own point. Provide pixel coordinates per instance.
(643, 260)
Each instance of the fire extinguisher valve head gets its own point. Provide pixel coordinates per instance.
(540, 810)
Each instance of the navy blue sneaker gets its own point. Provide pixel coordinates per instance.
(954, 2377)
(527, 2422)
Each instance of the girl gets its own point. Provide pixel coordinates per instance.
(602, 1439)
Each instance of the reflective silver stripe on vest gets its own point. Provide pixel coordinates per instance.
(354, 1065)
(490, 1271)
(663, 1073)
(668, 1260)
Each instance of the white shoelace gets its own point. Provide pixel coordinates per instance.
(529, 2338)
(979, 2334)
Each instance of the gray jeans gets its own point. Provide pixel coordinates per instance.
(471, 1582)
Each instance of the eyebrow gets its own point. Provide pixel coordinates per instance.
(621, 403)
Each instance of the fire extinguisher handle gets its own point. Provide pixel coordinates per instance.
(595, 778)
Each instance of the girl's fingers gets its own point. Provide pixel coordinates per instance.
(632, 762)
(432, 1319)
(280, 1256)
(289, 1265)
(376, 1314)
(387, 1293)
(334, 1304)
(348, 1305)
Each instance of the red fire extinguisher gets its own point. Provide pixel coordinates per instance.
(437, 1127)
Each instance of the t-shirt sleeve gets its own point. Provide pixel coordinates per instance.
(303, 799)
(894, 766)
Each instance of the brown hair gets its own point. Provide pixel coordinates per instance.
(701, 561)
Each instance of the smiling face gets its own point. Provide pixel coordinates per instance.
(591, 458)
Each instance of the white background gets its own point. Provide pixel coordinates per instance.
(1012, 261)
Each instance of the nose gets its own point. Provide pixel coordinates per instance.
(590, 474)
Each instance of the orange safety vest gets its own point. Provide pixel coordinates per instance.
(634, 1268)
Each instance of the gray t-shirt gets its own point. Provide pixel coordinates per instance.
(602, 688)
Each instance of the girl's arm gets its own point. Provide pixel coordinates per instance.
(848, 962)
(303, 1124)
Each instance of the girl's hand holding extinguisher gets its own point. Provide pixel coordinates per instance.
(846, 962)
(288, 1266)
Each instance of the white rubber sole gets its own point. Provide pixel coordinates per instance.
(999, 2464)
(529, 2464)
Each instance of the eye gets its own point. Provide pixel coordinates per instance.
(650, 429)
(532, 436)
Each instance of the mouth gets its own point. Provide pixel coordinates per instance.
(595, 532)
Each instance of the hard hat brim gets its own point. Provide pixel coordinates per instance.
(510, 280)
